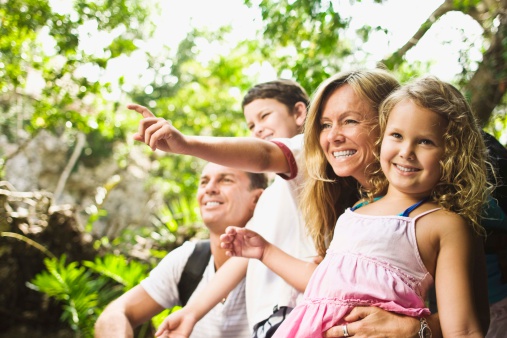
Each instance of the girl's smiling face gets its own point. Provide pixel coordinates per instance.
(412, 148)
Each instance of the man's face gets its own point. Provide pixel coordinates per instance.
(225, 197)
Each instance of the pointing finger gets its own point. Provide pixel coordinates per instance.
(145, 112)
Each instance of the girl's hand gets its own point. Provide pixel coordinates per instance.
(243, 243)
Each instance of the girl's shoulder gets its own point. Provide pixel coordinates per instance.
(440, 219)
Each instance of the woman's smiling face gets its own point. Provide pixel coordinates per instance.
(348, 133)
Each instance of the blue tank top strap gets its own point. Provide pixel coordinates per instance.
(412, 207)
(363, 203)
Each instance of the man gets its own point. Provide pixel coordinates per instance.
(226, 197)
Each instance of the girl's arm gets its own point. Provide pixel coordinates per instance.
(247, 243)
(225, 280)
(460, 269)
(244, 153)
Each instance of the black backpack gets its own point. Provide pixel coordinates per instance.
(192, 273)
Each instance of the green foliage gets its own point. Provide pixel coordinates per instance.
(311, 34)
(85, 289)
(75, 288)
(126, 273)
(35, 40)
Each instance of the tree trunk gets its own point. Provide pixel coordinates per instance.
(487, 86)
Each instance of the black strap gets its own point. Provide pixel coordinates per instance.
(192, 273)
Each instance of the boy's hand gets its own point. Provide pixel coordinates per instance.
(178, 324)
(157, 132)
(243, 243)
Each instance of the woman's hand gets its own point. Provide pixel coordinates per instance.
(373, 322)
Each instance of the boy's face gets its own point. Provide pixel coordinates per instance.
(269, 118)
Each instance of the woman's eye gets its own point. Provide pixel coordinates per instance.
(325, 125)
(350, 121)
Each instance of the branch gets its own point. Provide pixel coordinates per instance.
(444, 8)
(81, 141)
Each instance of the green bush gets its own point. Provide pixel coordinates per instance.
(84, 289)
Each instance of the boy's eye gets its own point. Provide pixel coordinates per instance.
(263, 116)
(251, 126)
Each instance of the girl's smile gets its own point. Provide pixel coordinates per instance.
(412, 147)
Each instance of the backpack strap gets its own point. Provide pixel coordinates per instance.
(194, 269)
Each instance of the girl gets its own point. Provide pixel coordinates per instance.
(417, 224)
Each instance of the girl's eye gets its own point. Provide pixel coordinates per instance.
(251, 126)
(396, 135)
(426, 142)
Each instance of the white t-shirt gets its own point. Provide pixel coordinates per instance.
(277, 218)
(227, 320)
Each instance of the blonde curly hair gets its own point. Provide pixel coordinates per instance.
(324, 195)
(463, 187)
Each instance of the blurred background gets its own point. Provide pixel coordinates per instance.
(85, 211)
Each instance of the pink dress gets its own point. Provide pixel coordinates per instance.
(371, 261)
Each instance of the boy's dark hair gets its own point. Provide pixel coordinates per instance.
(285, 91)
(257, 181)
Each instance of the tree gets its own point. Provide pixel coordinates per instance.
(315, 29)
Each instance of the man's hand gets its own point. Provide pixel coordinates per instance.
(177, 325)
(374, 322)
(242, 242)
(157, 132)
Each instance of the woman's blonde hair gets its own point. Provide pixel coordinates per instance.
(324, 195)
(463, 187)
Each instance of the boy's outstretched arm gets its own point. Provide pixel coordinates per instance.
(244, 153)
(247, 243)
(181, 323)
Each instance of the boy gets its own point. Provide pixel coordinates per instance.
(275, 112)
